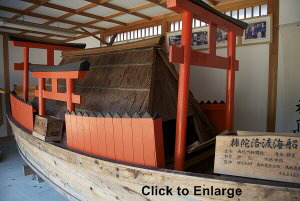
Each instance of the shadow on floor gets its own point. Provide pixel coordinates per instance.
(14, 186)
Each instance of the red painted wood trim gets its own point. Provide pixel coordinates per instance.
(94, 135)
(110, 141)
(230, 82)
(149, 142)
(40, 95)
(128, 140)
(101, 133)
(70, 136)
(65, 74)
(200, 59)
(183, 91)
(80, 133)
(74, 133)
(26, 73)
(87, 135)
(204, 15)
(138, 143)
(59, 96)
(118, 138)
(212, 39)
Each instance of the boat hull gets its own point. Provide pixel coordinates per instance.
(81, 177)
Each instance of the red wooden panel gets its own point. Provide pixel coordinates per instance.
(149, 142)
(65, 74)
(137, 137)
(74, 133)
(69, 130)
(118, 137)
(94, 135)
(87, 134)
(110, 141)
(127, 139)
(101, 135)
(159, 143)
(79, 124)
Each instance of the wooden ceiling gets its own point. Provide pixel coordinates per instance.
(96, 16)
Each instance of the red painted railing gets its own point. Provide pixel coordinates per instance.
(22, 112)
(137, 140)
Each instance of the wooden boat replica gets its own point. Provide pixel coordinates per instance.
(117, 106)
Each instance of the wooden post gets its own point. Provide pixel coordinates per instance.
(273, 9)
(25, 73)
(183, 91)
(50, 62)
(41, 99)
(212, 39)
(230, 81)
(69, 92)
(6, 83)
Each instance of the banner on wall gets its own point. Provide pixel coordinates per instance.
(291, 48)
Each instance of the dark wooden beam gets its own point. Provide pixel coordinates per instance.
(6, 82)
(212, 2)
(273, 9)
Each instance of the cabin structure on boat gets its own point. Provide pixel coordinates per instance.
(118, 119)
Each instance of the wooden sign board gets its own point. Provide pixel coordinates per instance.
(48, 128)
(271, 156)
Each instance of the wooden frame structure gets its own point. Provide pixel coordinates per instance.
(50, 47)
(185, 56)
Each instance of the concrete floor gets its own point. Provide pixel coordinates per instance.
(14, 186)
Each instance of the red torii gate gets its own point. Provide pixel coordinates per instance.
(27, 43)
(185, 56)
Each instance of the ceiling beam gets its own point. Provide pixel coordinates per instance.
(30, 37)
(118, 8)
(83, 8)
(36, 32)
(161, 3)
(239, 5)
(73, 11)
(130, 26)
(27, 10)
(46, 17)
(212, 2)
(137, 8)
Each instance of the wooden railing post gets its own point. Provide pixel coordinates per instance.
(50, 62)
(230, 81)
(25, 73)
(70, 91)
(41, 89)
(183, 91)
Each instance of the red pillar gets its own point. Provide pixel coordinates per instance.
(41, 99)
(50, 62)
(212, 39)
(183, 91)
(230, 81)
(25, 73)
(70, 91)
